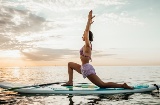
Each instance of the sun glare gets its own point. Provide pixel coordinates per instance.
(12, 53)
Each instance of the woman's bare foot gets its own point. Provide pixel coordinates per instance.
(125, 86)
(68, 84)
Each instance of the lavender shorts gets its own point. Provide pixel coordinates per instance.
(87, 70)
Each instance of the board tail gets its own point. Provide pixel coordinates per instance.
(40, 85)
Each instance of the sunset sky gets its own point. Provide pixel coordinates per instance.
(49, 32)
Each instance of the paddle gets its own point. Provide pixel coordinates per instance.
(14, 88)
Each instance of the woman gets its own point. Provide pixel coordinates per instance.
(86, 69)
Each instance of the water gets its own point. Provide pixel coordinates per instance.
(119, 74)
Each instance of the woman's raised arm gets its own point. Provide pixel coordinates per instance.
(89, 22)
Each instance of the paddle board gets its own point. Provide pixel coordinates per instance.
(76, 89)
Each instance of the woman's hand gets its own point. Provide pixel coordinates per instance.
(90, 17)
(89, 22)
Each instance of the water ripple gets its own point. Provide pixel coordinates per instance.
(40, 75)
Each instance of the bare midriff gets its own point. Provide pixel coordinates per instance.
(84, 60)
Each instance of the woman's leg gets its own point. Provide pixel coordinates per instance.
(97, 81)
(72, 66)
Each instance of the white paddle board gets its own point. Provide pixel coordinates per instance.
(76, 89)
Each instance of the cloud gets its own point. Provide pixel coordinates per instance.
(47, 54)
(19, 29)
(71, 5)
(101, 54)
(61, 5)
(4, 39)
(12, 44)
(123, 17)
(18, 21)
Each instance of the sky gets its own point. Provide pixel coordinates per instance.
(49, 32)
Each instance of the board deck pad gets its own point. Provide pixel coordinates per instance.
(79, 88)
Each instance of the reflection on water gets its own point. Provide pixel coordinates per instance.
(7, 96)
(38, 75)
(33, 75)
(119, 99)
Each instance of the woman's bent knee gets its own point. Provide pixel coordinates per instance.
(74, 66)
(70, 63)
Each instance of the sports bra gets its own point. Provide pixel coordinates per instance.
(81, 53)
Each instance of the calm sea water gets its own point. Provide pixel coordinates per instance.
(38, 75)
